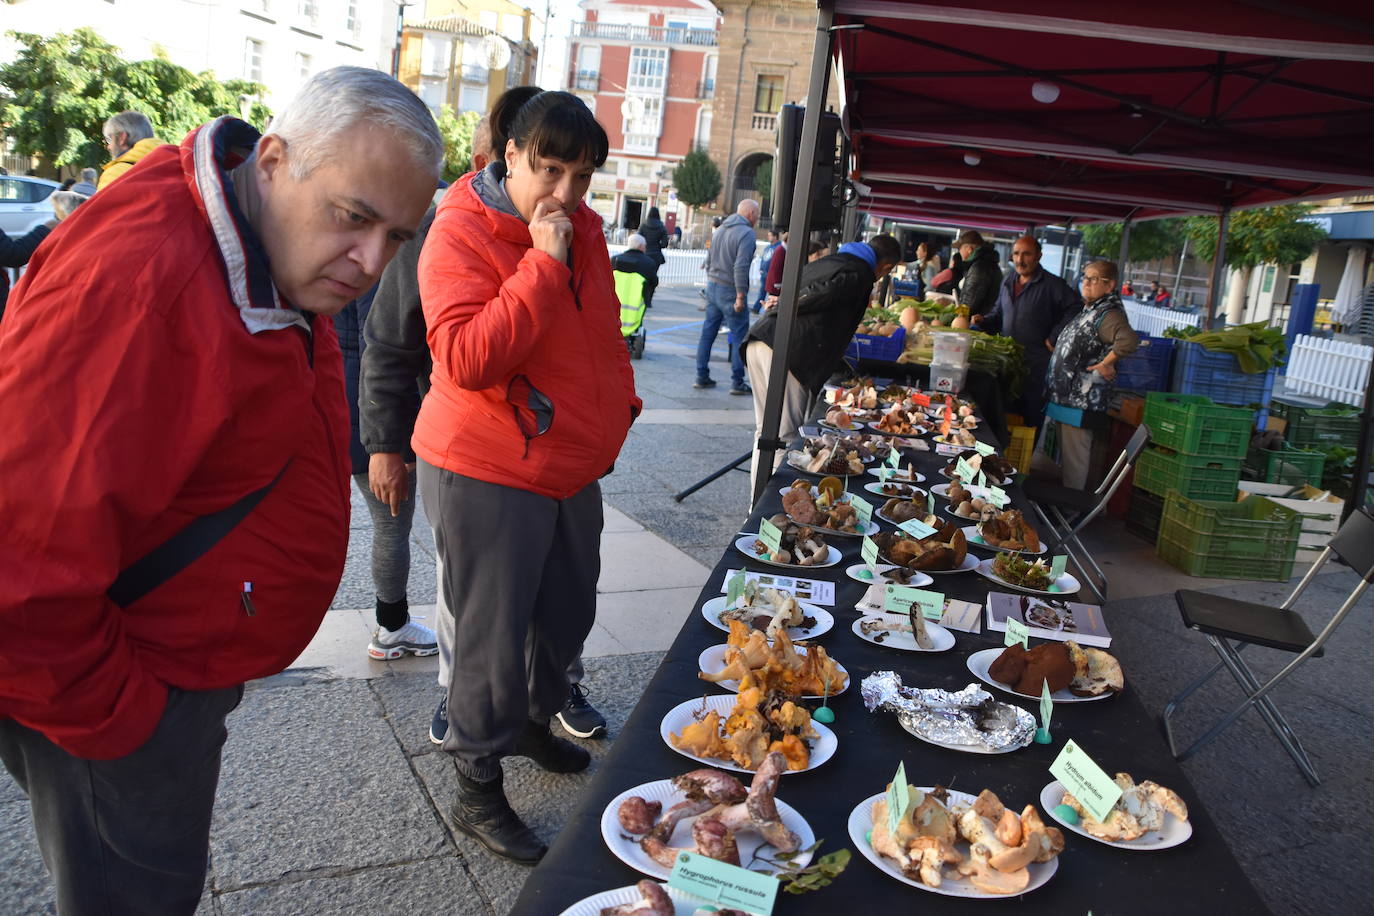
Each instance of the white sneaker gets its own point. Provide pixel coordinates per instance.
(411, 639)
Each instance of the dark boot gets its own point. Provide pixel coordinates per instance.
(550, 752)
(483, 813)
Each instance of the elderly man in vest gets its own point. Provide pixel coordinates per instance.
(176, 500)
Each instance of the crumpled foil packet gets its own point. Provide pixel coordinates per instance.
(967, 718)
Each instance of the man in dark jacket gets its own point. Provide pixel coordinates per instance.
(981, 276)
(1032, 307)
(16, 252)
(834, 293)
(635, 260)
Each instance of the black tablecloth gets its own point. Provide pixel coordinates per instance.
(1201, 876)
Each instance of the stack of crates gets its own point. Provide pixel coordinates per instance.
(1319, 429)
(1144, 515)
(1251, 539)
(1148, 368)
(1217, 375)
(1293, 466)
(1196, 447)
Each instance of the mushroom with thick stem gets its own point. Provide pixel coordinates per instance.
(653, 901)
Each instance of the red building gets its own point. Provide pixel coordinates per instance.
(648, 70)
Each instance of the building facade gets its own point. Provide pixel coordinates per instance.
(648, 71)
(278, 43)
(765, 62)
(465, 61)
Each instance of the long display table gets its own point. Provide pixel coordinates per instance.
(1200, 876)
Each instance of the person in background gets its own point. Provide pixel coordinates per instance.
(833, 294)
(128, 137)
(727, 288)
(981, 276)
(397, 635)
(1082, 373)
(1032, 306)
(511, 439)
(776, 245)
(1127, 291)
(772, 281)
(1152, 294)
(1163, 299)
(655, 236)
(927, 266)
(177, 523)
(947, 281)
(15, 253)
(636, 260)
(86, 186)
(677, 235)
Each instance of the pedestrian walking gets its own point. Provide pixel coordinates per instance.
(520, 422)
(176, 499)
(727, 288)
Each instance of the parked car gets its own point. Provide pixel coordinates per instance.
(24, 203)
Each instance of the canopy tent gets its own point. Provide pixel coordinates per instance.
(985, 114)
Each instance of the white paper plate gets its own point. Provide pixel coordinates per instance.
(918, 579)
(745, 546)
(870, 529)
(969, 565)
(873, 599)
(878, 513)
(683, 715)
(629, 852)
(877, 490)
(1174, 832)
(941, 440)
(969, 485)
(799, 465)
(683, 904)
(897, 476)
(976, 540)
(952, 885)
(942, 490)
(712, 609)
(944, 639)
(712, 659)
(980, 661)
(1064, 585)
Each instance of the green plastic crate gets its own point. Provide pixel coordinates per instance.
(1292, 466)
(1159, 470)
(1319, 428)
(1193, 425)
(1252, 539)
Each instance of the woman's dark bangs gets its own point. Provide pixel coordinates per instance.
(568, 134)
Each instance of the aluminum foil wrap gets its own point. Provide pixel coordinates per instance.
(968, 718)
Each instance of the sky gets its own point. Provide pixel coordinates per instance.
(554, 55)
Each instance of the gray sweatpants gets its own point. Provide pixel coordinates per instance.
(390, 540)
(129, 835)
(519, 575)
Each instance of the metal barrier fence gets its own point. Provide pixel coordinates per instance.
(1336, 370)
(687, 267)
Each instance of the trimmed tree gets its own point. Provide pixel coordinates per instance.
(697, 179)
(456, 131)
(1269, 235)
(763, 183)
(1151, 240)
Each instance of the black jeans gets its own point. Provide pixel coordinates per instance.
(131, 835)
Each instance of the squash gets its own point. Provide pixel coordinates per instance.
(908, 318)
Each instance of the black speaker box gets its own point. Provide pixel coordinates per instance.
(825, 180)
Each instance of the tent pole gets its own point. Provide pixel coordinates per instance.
(1064, 267)
(1125, 247)
(800, 225)
(1218, 264)
(1360, 482)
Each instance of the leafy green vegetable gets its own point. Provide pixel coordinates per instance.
(798, 880)
(1256, 346)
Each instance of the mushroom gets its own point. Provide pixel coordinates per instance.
(978, 869)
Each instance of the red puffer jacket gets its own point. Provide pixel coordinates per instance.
(532, 386)
(137, 401)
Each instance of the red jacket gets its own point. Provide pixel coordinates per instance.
(137, 400)
(503, 316)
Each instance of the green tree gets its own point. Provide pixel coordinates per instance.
(457, 131)
(58, 92)
(763, 183)
(1151, 240)
(1270, 235)
(697, 179)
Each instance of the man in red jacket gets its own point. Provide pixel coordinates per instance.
(176, 480)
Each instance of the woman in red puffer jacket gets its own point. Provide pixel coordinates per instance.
(532, 396)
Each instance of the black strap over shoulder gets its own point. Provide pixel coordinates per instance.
(183, 548)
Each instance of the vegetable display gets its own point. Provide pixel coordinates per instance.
(1257, 347)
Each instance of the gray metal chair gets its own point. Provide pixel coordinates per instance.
(1231, 625)
(1052, 501)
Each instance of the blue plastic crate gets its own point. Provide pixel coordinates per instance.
(1148, 368)
(1198, 370)
(870, 346)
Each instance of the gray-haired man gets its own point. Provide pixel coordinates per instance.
(128, 137)
(177, 523)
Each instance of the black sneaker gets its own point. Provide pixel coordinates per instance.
(741, 390)
(438, 728)
(704, 383)
(579, 717)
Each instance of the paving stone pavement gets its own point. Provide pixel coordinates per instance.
(333, 800)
